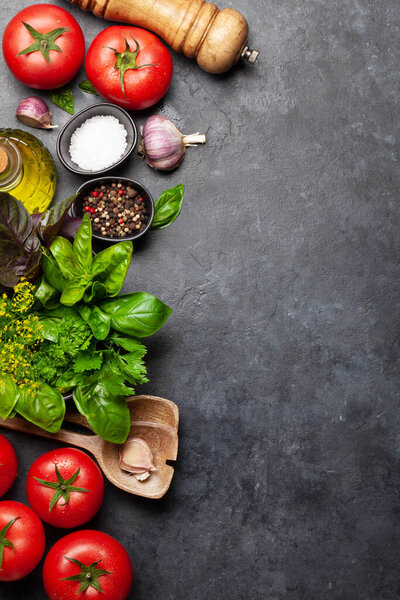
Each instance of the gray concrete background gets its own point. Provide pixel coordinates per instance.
(282, 352)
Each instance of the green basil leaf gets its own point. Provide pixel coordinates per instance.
(46, 293)
(63, 252)
(111, 265)
(64, 99)
(73, 292)
(69, 380)
(96, 292)
(82, 246)
(168, 207)
(138, 314)
(88, 88)
(107, 414)
(98, 321)
(44, 407)
(52, 272)
(8, 395)
(49, 327)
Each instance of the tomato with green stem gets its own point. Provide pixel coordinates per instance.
(43, 46)
(87, 564)
(129, 66)
(22, 540)
(8, 465)
(65, 487)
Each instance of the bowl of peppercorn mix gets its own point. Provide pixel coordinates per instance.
(119, 208)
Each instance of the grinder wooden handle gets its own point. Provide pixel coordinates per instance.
(217, 38)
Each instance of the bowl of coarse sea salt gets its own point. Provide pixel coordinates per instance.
(97, 139)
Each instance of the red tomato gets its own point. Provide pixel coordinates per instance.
(8, 465)
(22, 540)
(65, 487)
(87, 560)
(33, 68)
(129, 80)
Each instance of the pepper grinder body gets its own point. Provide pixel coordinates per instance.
(216, 38)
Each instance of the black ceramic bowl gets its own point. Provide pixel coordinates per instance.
(77, 206)
(103, 109)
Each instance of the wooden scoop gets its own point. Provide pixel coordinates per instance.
(153, 419)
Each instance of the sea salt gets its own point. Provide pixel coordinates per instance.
(98, 143)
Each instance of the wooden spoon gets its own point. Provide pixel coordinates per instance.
(153, 419)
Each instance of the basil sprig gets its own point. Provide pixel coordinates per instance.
(168, 207)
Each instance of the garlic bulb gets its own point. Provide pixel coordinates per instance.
(163, 145)
(136, 458)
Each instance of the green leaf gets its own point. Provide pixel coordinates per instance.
(52, 272)
(64, 99)
(82, 246)
(87, 361)
(44, 407)
(106, 412)
(97, 291)
(49, 327)
(68, 380)
(138, 314)
(111, 265)
(8, 395)
(168, 207)
(73, 292)
(98, 321)
(46, 293)
(63, 253)
(87, 87)
(130, 344)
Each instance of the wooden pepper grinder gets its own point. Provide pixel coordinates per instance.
(217, 38)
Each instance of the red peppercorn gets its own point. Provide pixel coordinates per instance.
(140, 199)
(95, 194)
(120, 192)
(101, 195)
(87, 208)
(120, 221)
(92, 210)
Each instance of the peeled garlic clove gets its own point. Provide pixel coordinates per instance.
(136, 457)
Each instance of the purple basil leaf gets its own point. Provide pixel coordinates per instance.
(69, 227)
(8, 278)
(15, 221)
(36, 218)
(33, 252)
(50, 223)
(9, 251)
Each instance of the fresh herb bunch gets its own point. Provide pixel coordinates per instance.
(87, 338)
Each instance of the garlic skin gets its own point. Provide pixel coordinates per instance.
(34, 112)
(136, 458)
(163, 145)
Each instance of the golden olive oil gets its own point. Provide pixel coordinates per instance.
(27, 169)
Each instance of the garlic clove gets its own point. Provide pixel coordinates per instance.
(136, 458)
(34, 112)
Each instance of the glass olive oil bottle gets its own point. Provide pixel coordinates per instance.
(27, 169)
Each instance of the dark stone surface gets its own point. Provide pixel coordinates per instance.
(283, 348)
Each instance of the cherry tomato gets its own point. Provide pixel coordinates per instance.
(37, 54)
(129, 66)
(90, 562)
(8, 465)
(22, 540)
(65, 487)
